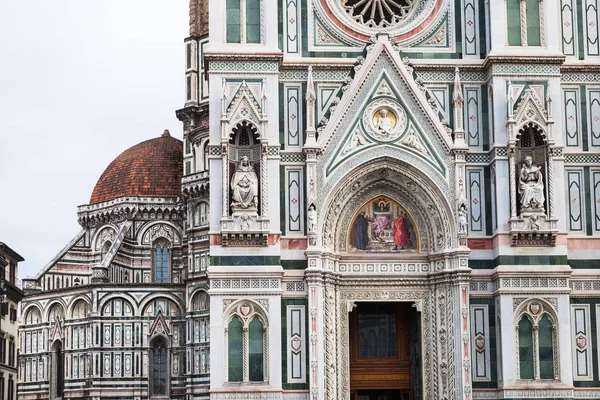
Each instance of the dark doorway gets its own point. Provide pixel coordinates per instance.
(385, 351)
(383, 395)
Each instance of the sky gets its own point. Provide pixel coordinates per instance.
(80, 82)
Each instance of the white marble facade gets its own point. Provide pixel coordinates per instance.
(383, 149)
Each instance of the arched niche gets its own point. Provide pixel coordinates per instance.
(428, 209)
(532, 142)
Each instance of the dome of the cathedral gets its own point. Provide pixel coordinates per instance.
(152, 168)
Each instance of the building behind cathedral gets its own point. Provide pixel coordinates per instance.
(374, 199)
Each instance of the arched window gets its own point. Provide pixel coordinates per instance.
(235, 350)
(255, 351)
(546, 347)
(537, 343)
(80, 310)
(158, 361)
(526, 348)
(105, 248)
(33, 316)
(161, 262)
(201, 301)
(246, 363)
(205, 156)
(243, 21)
(201, 214)
(56, 314)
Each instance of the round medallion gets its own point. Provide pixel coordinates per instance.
(402, 19)
(379, 13)
(384, 120)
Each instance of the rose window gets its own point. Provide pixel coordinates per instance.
(378, 13)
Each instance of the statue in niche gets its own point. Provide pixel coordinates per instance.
(312, 219)
(462, 218)
(244, 186)
(531, 186)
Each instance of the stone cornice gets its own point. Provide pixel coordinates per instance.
(242, 56)
(579, 67)
(523, 59)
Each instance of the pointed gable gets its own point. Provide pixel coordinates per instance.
(383, 112)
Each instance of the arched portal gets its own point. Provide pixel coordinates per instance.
(390, 303)
(57, 372)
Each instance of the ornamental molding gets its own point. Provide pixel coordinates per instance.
(246, 285)
(428, 207)
(129, 208)
(195, 186)
(246, 395)
(411, 21)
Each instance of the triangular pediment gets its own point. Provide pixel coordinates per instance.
(159, 326)
(245, 104)
(384, 112)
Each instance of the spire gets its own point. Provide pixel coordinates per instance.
(224, 98)
(263, 98)
(310, 86)
(310, 109)
(457, 95)
(458, 101)
(510, 101)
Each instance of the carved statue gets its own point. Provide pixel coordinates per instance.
(531, 186)
(462, 218)
(312, 219)
(244, 185)
(384, 124)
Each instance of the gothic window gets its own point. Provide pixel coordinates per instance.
(537, 343)
(201, 301)
(205, 156)
(526, 348)
(532, 13)
(158, 368)
(105, 248)
(201, 214)
(243, 21)
(32, 316)
(246, 344)
(255, 351)
(161, 305)
(56, 313)
(161, 262)
(235, 350)
(80, 310)
(527, 12)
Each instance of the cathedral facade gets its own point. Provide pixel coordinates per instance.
(374, 199)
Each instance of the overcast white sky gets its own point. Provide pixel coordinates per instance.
(80, 82)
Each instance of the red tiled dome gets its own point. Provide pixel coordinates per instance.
(152, 168)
